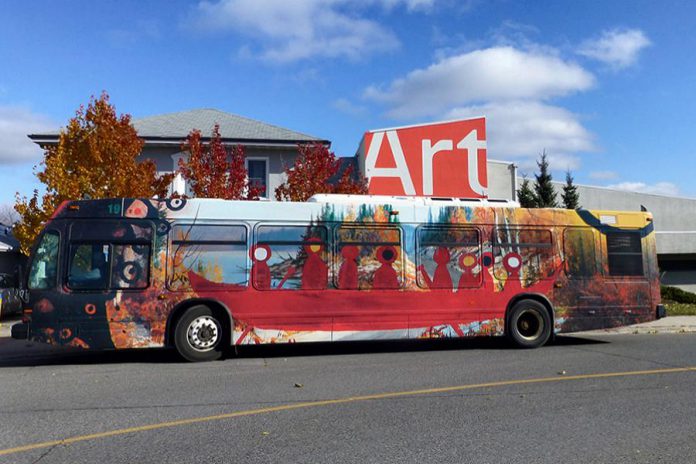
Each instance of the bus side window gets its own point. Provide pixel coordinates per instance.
(212, 254)
(130, 266)
(524, 253)
(89, 266)
(369, 258)
(579, 251)
(290, 258)
(448, 257)
(624, 254)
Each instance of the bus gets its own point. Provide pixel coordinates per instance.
(202, 275)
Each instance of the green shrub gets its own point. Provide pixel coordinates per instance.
(677, 294)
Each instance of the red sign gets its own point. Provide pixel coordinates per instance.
(443, 159)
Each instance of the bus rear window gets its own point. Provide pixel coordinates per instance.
(44, 267)
(624, 254)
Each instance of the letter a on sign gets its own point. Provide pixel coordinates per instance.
(446, 159)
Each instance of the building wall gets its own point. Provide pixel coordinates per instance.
(166, 159)
(501, 180)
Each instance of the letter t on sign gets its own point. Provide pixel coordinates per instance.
(472, 144)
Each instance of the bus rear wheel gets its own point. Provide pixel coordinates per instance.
(529, 324)
(198, 335)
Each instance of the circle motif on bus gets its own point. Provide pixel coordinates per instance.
(512, 262)
(175, 204)
(131, 271)
(487, 259)
(386, 254)
(163, 228)
(261, 253)
(467, 261)
(65, 333)
(314, 245)
(90, 309)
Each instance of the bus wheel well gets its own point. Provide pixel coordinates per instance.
(534, 297)
(222, 313)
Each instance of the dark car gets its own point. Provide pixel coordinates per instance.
(11, 263)
(10, 302)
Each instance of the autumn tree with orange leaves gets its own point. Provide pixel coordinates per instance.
(213, 171)
(316, 170)
(95, 157)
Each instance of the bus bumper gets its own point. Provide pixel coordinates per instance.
(20, 331)
(661, 311)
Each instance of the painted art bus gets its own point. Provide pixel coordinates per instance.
(201, 275)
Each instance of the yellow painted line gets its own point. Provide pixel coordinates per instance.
(350, 399)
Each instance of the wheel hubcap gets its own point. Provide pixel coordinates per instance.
(203, 333)
(530, 324)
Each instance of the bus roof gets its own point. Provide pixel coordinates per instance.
(379, 209)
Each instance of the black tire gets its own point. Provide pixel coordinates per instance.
(529, 324)
(199, 335)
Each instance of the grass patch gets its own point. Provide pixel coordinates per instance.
(678, 302)
(679, 309)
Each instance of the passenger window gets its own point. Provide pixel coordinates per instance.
(89, 266)
(525, 254)
(205, 256)
(290, 258)
(130, 266)
(579, 251)
(624, 254)
(448, 258)
(369, 258)
(44, 268)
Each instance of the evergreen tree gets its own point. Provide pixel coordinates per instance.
(570, 196)
(525, 195)
(543, 188)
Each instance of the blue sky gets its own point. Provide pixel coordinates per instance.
(606, 88)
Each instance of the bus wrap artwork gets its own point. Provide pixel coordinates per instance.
(115, 273)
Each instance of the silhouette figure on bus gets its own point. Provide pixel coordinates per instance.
(467, 263)
(385, 276)
(512, 263)
(348, 273)
(260, 254)
(315, 272)
(441, 277)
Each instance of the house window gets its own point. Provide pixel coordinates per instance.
(257, 170)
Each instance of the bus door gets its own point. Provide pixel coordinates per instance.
(42, 283)
(582, 295)
(627, 289)
(107, 270)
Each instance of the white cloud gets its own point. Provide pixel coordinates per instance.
(659, 188)
(617, 48)
(497, 73)
(520, 130)
(411, 5)
(346, 106)
(603, 175)
(15, 124)
(288, 31)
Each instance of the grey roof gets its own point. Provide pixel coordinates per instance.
(176, 126)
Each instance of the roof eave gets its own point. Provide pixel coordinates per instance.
(49, 139)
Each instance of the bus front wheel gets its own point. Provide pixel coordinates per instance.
(198, 335)
(529, 324)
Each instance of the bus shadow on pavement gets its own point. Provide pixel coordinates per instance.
(14, 353)
(392, 346)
